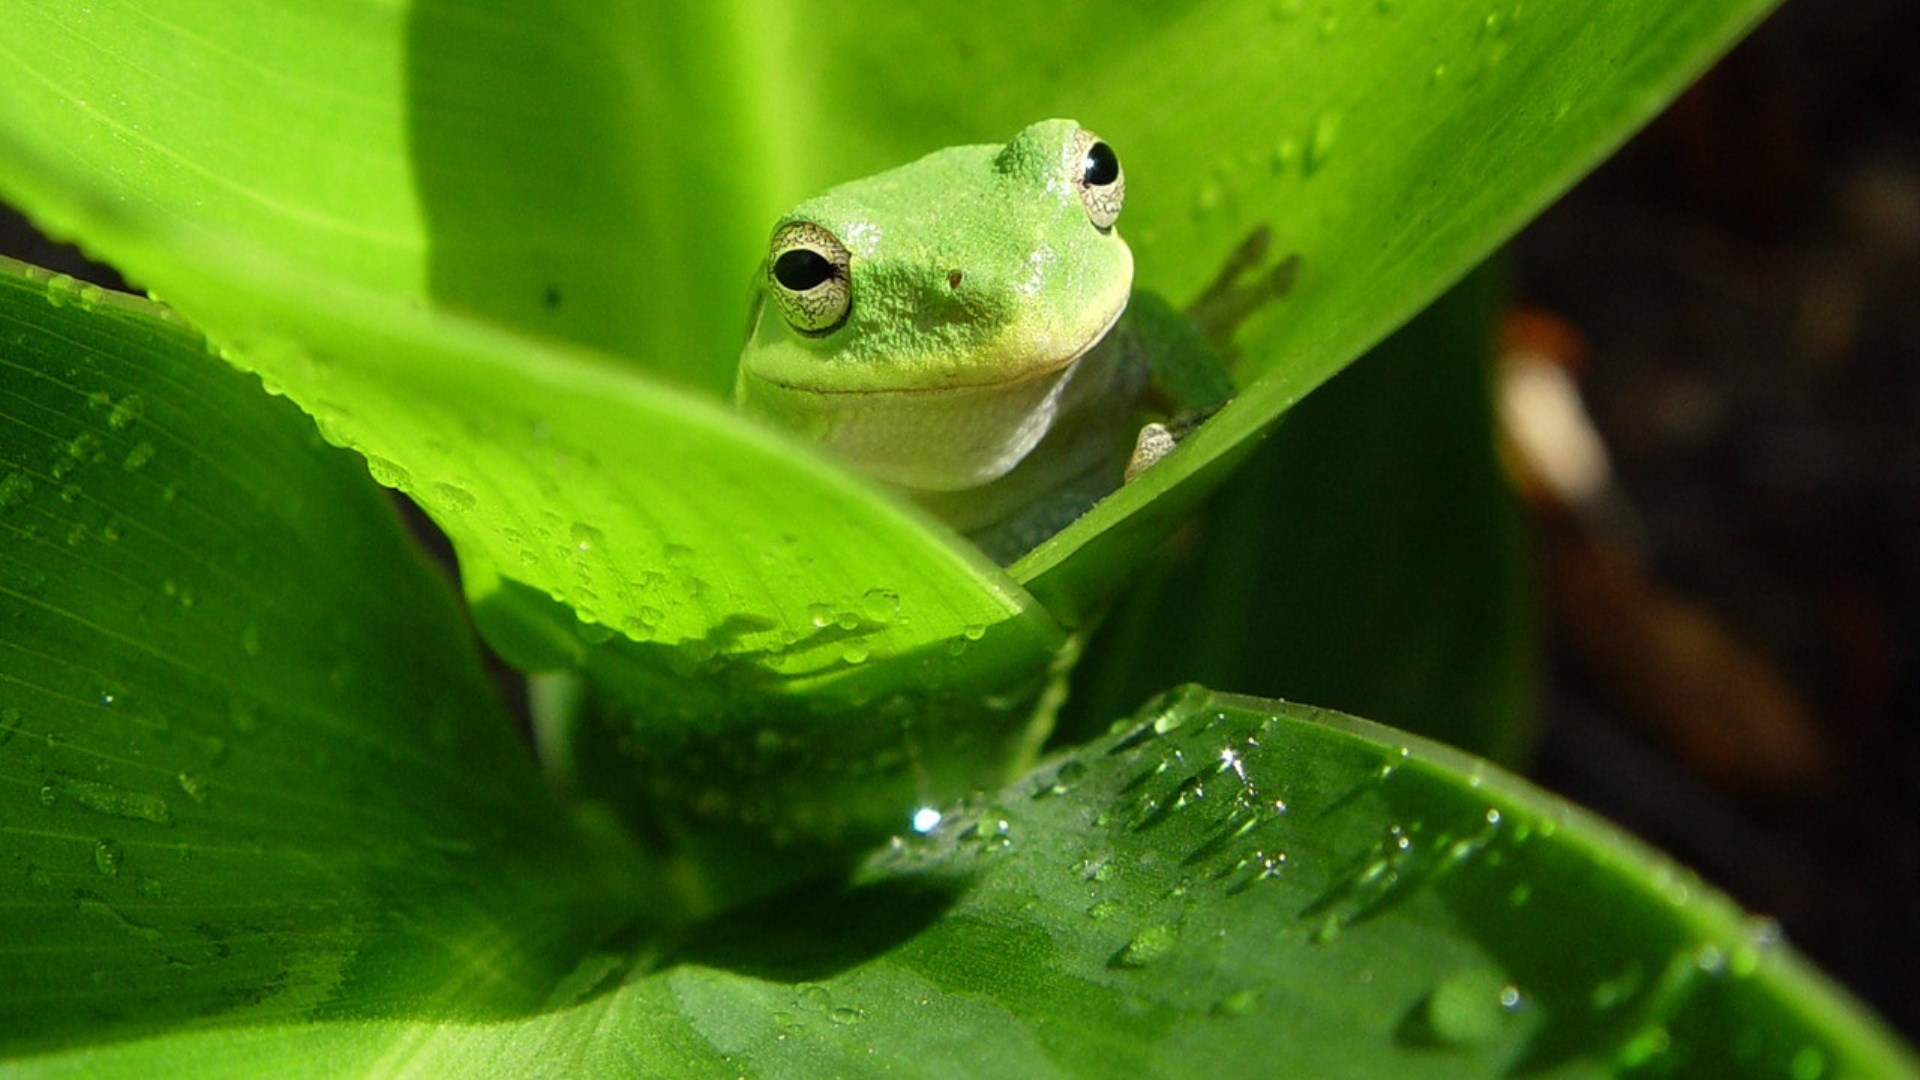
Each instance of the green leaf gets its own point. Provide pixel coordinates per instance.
(636, 154)
(664, 526)
(250, 769)
(1226, 887)
(1390, 146)
(1370, 557)
(421, 251)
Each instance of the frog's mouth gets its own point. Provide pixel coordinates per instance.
(1009, 374)
(952, 436)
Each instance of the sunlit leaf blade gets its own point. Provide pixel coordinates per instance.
(1228, 887)
(1390, 146)
(1387, 145)
(501, 158)
(654, 514)
(250, 769)
(1369, 557)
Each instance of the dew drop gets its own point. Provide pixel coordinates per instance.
(1207, 199)
(15, 489)
(1467, 1007)
(1611, 993)
(85, 447)
(1095, 868)
(114, 801)
(62, 290)
(1069, 774)
(1646, 1045)
(1285, 153)
(1326, 131)
(456, 497)
(181, 594)
(1808, 1064)
(107, 857)
(1238, 1003)
(389, 473)
(195, 787)
(881, 605)
(1149, 946)
(1329, 929)
(125, 412)
(585, 537)
(1710, 959)
(925, 820)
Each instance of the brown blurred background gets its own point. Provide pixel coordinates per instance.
(1739, 291)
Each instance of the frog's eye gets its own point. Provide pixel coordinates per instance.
(807, 275)
(1102, 184)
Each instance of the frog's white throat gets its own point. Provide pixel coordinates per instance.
(958, 438)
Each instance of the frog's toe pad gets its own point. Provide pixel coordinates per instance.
(1154, 442)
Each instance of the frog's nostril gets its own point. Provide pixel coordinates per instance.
(953, 279)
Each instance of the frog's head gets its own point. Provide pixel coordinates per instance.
(922, 321)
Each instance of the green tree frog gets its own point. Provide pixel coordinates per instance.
(959, 328)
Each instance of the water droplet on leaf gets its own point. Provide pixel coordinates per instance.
(107, 857)
(1149, 946)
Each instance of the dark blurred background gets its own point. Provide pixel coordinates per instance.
(1734, 671)
(1744, 282)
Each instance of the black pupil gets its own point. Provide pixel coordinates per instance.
(1101, 166)
(801, 269)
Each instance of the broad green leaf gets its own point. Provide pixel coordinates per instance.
(1226, 887)
(599, 184)
(499, 157)
(1391, 146)
(250, 769)
(324, 189)
(1369, 557)
(668, 530)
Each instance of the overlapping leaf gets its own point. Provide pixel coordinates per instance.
(250, 769)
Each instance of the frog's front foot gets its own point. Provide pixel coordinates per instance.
(1154, 442)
